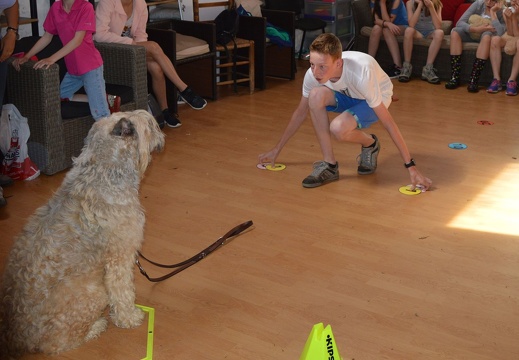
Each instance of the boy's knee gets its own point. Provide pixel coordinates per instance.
(342, 126)
(318, 97)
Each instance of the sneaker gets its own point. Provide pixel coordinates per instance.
(511, 88)
(393, 72)
(5, 180)
(3, 201)
(323, 173)
(429, 74)
(194, 100)
(494, 87)
(114, 103)
(407, 70)
(367, 159)
(171, 121)
(452, 84)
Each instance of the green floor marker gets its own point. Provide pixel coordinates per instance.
(151, 325)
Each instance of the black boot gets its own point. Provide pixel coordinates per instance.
(477, 67)
(454, 82)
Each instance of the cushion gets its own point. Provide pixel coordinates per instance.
(449, 8)
(459, 11)
(188, 46)
(447, 27)
(165, 11)
(252, 6)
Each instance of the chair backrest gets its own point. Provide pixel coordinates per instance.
(197, 6)
(296, 6)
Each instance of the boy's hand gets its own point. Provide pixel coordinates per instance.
(418, 179)
(268, 157)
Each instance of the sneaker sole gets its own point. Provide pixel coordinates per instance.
(196, 108)
(435, 82)
(511, 94)
(309, 186)
(174, 126)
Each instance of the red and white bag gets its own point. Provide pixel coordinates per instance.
(14, 133)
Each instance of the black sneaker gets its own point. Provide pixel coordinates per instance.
(393, 71)
(195, 101)
(172, 121)
(323, 173)
(452, 84)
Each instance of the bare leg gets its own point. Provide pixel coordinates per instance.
(158, 83)
(434, 47)
(515, 66)
(409, 36)
(319, 98)
(496, 44)
(392, 45)
(154, 53)
(456, 44)
(374, 40)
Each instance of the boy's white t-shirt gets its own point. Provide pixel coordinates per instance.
(362, 78)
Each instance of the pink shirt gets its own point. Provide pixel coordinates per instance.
(111, 19)
(85, 57)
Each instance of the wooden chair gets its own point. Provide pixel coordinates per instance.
(231, 61)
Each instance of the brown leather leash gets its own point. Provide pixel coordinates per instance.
(194, 259)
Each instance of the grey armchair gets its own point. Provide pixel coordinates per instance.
(56, 139)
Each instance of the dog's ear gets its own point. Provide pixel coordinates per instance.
(124, 127)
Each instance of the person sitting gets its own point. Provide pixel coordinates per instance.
(124, 21)
(425, 21)
(390, 20)
(509, 42)
(490, 9)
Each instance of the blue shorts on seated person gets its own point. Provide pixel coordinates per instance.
(359, 108)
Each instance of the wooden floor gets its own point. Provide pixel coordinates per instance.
(433, 276)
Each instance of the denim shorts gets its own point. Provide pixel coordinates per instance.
(465, 36)
(363, 114)
(94, 84)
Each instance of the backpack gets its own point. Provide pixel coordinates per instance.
(226, 26)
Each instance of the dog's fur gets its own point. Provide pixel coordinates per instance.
(76, 254)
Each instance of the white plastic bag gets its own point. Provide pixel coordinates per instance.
(14, 133)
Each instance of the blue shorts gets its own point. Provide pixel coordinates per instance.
(363, 114)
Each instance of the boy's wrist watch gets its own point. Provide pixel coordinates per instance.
(409, 164)
(15, 30)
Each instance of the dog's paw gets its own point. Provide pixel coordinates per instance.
(128, 319)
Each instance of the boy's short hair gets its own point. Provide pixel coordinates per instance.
(327, 44)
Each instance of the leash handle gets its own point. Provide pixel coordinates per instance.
(194, 259)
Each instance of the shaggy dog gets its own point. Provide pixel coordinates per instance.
(76, 254)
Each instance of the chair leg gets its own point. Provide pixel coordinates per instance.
(251, 67)
(302, 43)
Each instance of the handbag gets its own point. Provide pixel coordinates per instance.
(14, 133)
